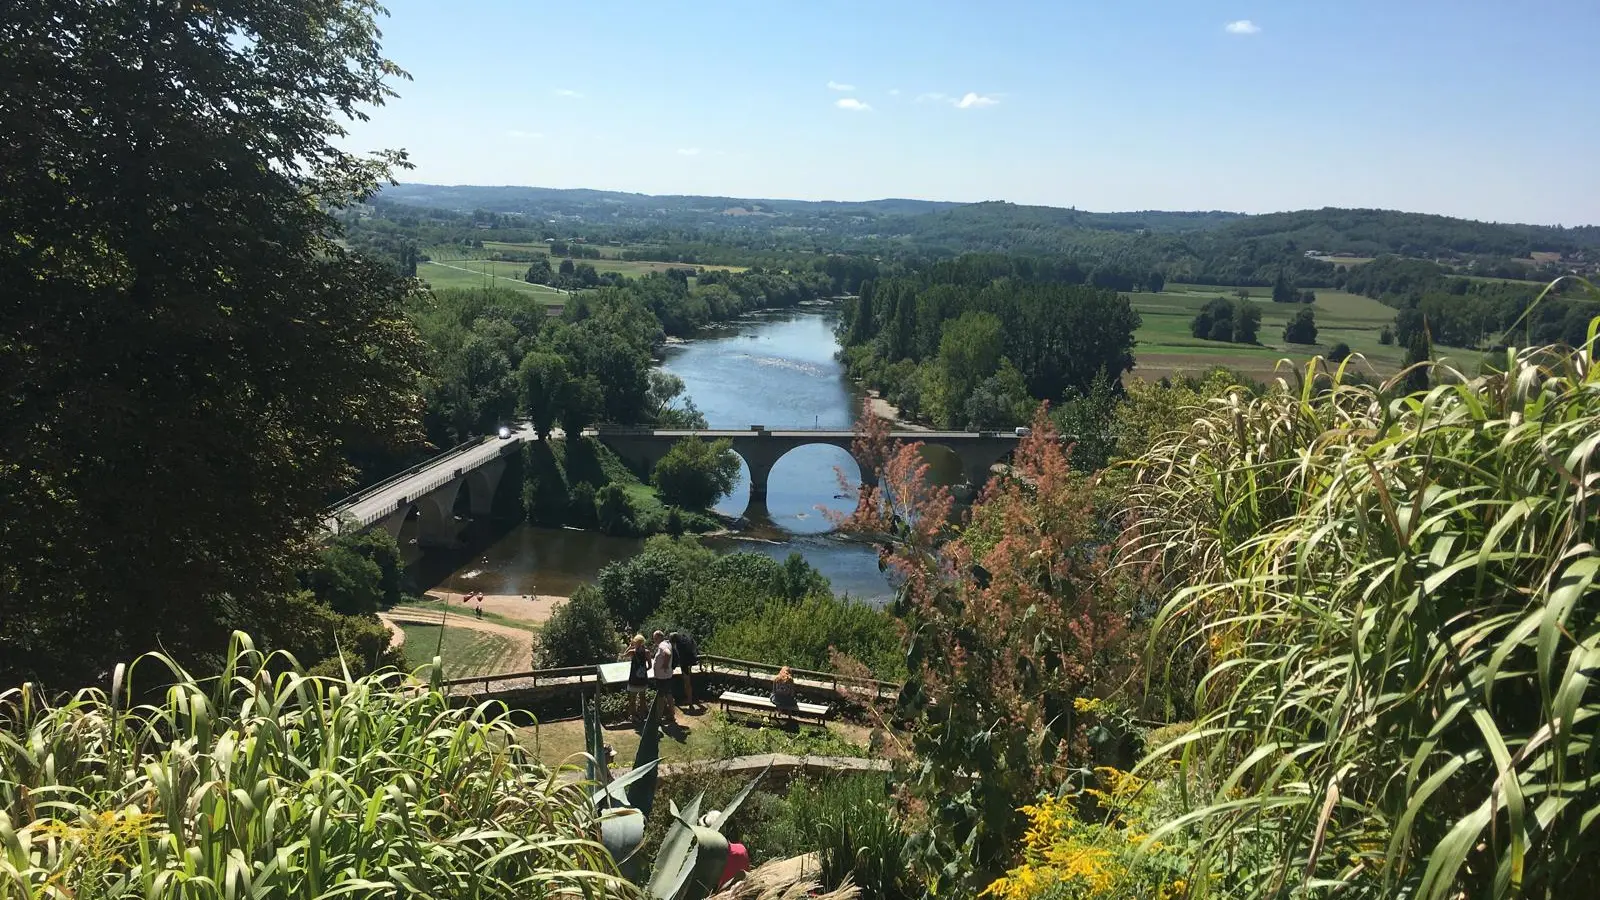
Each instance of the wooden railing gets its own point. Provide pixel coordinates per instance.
(574, 676)
(805, 677)
(578, 676)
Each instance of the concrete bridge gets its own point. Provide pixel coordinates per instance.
(761, 448)
(431, 490)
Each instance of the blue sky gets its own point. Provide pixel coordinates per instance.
(1483, 110)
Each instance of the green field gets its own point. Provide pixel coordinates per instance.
(465, 651)
(477, 273)
(1165, 345)
(631, 268)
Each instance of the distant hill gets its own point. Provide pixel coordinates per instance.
(939, 228)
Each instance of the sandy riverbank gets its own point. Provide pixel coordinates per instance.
(533, 608)
(883, 409)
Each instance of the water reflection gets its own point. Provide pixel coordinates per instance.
(775, 369)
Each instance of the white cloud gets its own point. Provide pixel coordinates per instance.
(972, 101)
(836, 86)
(852, 104)
(931, 97)
(688, 151)
(1243, 26)
(524, 135)
(566, 92)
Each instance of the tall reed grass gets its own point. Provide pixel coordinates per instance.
(1392, 599)
(265, 783)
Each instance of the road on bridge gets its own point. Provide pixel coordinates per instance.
(369, 506)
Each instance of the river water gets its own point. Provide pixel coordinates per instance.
(776, 369)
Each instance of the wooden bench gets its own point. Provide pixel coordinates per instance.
(763, 706)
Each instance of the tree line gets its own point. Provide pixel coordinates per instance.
(1462, 311)
(974, 343)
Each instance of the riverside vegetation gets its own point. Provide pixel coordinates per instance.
(1318, 636)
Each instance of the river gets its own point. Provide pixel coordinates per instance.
(775, 368)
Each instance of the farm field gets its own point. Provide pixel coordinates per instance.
(1165, 345)
(473, 273)
(606, 264)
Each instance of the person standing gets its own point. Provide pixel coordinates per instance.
(638, 657)
(661, 674)
(686, 653)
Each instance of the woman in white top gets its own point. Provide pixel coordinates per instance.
(661, 674)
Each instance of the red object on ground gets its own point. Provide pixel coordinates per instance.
(738, 863)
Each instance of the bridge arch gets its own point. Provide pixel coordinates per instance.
(789, 482)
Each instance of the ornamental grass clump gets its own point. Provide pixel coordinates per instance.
(1393, 600)
(263, 782)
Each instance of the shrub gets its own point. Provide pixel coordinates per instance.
(694, 473)
(1302, 329)
(1339, 352)
(806, 634)
(579, 633)
(324, 641)
(613, 510)
(1069, 856)
(272, 784)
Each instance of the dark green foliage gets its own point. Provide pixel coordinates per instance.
(806, 634)
(859, 837)
(1283, 291)
(542, 379)
(1233, 321)
(580, 632)
(1086, 421)
(1339, 352)
(580, 508)
(539, 271)
(614, 511)
(998, 402)
(694, 473)
(346, 581)
(1302, 329)
(635, 588)
(1419, 351)
(930, 340)
(1386, 336)
(324, 641)
(544, 490)
(187, 353)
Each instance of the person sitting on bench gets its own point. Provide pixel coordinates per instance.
(783, 690)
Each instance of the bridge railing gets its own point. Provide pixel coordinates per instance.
(338, 508)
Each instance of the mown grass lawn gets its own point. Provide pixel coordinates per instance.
(465, 652)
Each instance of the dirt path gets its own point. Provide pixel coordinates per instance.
(532, 608)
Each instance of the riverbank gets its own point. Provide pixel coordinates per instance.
(535, 609)
(883, 409)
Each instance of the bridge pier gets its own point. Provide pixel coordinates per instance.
(437, 526)
(483, 484)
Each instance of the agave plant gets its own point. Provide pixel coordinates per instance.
(1393, 598)
(267, 782)
(689, 863)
